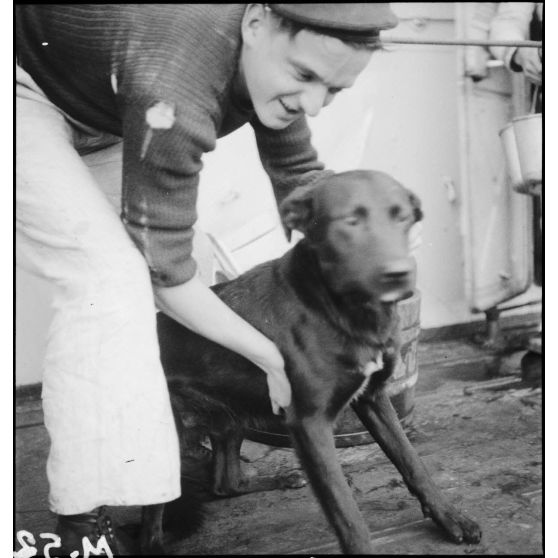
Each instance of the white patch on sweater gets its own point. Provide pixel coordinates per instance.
(158, 117)
(114, 83)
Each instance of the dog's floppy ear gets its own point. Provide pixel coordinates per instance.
(297, 210)
(416, 205)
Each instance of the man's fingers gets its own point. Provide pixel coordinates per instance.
(279, 393)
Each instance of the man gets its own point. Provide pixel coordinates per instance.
(169, 80)
(512, 22)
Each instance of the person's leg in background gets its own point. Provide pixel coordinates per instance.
(105, 399)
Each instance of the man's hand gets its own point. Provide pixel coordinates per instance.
(530, 62)
(476, 59)
(277, 383)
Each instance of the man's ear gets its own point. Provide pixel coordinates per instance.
(252, 20)
(297, 210)
(416, 205)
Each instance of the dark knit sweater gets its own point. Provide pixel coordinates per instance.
(107, 65)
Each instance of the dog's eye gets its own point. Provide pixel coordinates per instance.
(357, 216)
(352, 220)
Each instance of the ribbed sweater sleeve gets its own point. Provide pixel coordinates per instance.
(160, 179)
(170, 112)
(288, 156)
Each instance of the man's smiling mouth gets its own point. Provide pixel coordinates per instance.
(288, 109)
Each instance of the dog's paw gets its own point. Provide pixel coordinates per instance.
(459, 527)
(295, 479)
(472, 533)
(465, 529)
(152, 548)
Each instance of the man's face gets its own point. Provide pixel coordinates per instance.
(286, 77)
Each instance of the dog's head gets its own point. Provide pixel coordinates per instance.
(358, 223)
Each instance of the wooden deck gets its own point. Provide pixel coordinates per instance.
(482, 446)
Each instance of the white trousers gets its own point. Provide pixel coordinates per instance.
(105, 399)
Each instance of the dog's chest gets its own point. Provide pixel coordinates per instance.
(370, 361)
(355, 366)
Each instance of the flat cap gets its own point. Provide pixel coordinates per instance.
(358, 21)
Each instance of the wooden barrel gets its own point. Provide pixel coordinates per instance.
(349, 431)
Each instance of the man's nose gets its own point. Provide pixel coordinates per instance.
(313, 99)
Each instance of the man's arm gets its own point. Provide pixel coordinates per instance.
(162, 161)
(511, 23)
(198, 308)
(288, 157)
(478, 28)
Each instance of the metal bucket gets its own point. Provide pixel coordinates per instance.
(349, 431)
(511, 156)
(528, 138)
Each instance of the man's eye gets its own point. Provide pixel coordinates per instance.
(302, 76)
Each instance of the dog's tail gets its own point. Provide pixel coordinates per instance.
(185, 515)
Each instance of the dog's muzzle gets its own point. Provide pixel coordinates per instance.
(396, 279)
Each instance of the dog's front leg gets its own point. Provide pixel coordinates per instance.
(314, 443)
(151, 537)
(375, 410)
(227, 476)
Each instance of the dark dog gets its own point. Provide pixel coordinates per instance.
(329, 305)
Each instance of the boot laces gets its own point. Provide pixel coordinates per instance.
(103, 526)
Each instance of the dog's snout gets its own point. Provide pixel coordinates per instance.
(396, 272)
(396, 279)
(398, 269)
(395, 275)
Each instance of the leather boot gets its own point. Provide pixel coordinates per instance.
(93, 525)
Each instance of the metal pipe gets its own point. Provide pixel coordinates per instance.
(460, 42)
(522, 305)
